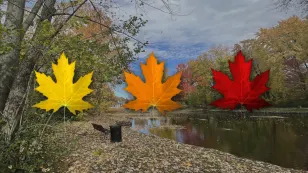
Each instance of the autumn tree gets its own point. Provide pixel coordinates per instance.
(283, 50)
(197, 79)
(286, 44)
(187, 83)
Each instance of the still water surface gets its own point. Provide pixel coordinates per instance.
(280, 140)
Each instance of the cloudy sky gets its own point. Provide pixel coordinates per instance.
(196, 26)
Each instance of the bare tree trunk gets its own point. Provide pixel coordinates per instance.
(15, 101)
(29, 21)
(17, 96)
(9, 61)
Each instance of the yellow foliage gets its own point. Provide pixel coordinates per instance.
(63, 92)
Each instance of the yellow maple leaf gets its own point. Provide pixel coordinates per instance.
(63, 92)
(152, 92)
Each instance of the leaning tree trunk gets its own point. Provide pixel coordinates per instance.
(15, 101)
(17, 96)
(9, 61)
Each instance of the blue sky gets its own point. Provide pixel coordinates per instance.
(175, 39)
(170, 62)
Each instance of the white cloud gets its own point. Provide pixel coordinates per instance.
(210, 23)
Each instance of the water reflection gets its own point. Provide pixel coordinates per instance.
(281, 141)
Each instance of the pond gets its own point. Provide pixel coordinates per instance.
(278, 139)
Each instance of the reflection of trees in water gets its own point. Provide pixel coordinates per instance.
(164, 132)
(270, 140)
(197, 136)
(306, 156)
(150, 122)
(278, 141)
(273, 141)
(180, 120)
(188, 136)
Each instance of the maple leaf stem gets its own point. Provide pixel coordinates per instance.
(64, 123)
(46, 125)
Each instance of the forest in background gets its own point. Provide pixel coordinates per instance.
(282, 49)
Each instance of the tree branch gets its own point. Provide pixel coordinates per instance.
(24, 8)
(83, 17)
(170, 11)
(100, 20)
(33, 13)
(68, 18)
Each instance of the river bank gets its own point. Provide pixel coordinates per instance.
(189, 110)
(263, 110)
(146, 153)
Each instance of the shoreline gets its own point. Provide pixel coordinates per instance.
(149, 153)
(203, 110)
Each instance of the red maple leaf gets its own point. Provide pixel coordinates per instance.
(240, 90)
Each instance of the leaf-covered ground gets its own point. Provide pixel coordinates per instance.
(93, 152)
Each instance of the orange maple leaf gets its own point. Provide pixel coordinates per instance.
(152, 92)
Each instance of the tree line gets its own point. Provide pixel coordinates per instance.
(282, 49)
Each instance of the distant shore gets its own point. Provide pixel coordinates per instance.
(270, 110)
